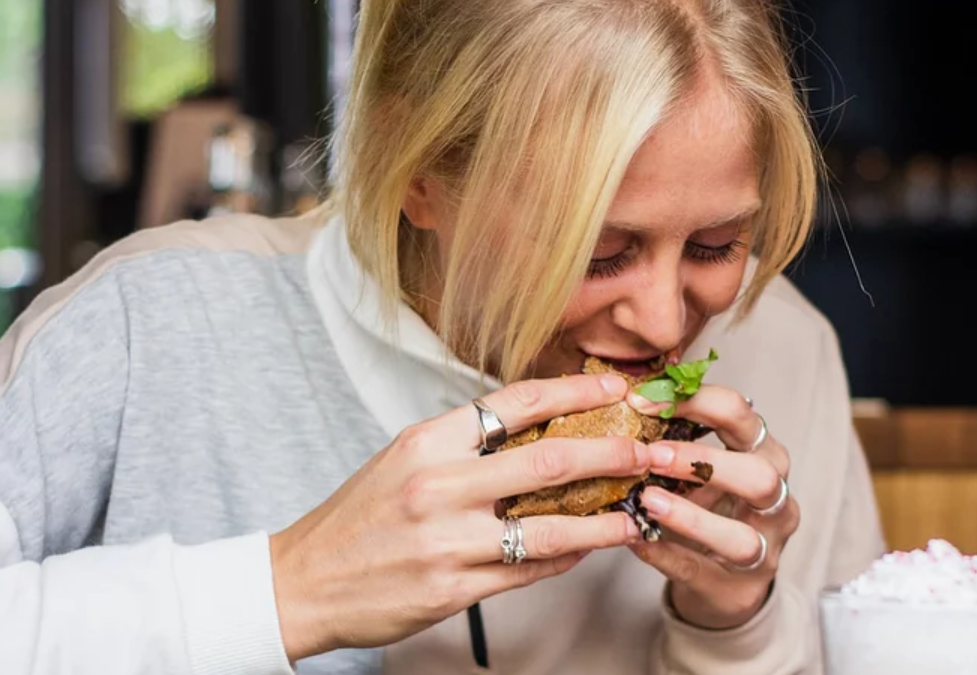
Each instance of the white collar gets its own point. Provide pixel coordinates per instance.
(403, 376)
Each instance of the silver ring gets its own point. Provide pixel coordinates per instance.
(494, 433)
(760, 559)
(781, 501)
(761, 435)
(749, 401)
(513, 550)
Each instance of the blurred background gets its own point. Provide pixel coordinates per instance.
(117, 115)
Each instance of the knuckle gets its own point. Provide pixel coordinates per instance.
(549, 541)
(621, 453)
(686, 570)
(645, 555)
(526, 395)
(749, 548)
(415, 439)
(769, 483)
(549, 464)
(744, 413)
(419, 495)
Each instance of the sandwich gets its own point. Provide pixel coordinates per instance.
(664, 383)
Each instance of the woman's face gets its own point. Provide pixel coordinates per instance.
(673, 250)
(675, 245)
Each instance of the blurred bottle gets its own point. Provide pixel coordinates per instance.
(962, 198)
(240, 169)
(924, 200)
(868, 190)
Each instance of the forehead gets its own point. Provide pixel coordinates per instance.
(696, 168)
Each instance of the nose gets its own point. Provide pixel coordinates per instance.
(654, 309)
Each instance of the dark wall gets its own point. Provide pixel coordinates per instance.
(912, 341)
(893, 78)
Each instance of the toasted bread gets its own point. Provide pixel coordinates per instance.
(599, 495)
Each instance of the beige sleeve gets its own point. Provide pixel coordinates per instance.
(777, 641)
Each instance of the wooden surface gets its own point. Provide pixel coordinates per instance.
(936, 439)
(916, 506)
(924, 466)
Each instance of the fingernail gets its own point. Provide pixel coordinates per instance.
(614, 385)
(658, 455)
(644, 406)
(657, 506)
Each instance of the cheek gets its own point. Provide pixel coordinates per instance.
(712, 289)
(586, 305)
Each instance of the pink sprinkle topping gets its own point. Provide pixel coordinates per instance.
(940, 574)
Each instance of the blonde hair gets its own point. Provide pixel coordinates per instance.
(529, 112)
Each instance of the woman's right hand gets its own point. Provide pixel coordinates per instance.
(412, 538)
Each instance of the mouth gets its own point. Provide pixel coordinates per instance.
(640, 367)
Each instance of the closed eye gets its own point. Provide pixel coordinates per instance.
(719, 255)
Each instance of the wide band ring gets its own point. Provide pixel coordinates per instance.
(760, 559)
(780, 503)
(493, 431)
(513, 548)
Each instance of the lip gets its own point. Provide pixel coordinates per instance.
(673, 356)
(635, 367)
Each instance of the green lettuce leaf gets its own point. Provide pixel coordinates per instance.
(679, 383)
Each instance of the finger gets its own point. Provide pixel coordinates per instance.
(718, 408)
(494, 578)
(735, 422)
(523, 404)
(545, 463)
(679, 563)
(785, 522)
(731, 539)
(752, 477)
(548, 537)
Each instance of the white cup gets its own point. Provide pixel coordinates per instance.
(873, 636)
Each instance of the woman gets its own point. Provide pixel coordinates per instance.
(520, 185)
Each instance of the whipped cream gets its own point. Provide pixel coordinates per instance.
(938, 575)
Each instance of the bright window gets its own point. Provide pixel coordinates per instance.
(20, 148)
(168, 52)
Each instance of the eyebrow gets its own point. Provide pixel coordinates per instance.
(742, 214)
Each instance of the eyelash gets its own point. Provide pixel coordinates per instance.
(710, 255)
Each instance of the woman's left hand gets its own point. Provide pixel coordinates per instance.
(721, 566)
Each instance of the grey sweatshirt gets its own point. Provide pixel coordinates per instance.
(168, 406)
(190, 391)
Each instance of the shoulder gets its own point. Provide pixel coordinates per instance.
(228, 252)
(249, 236)
(153, 266)
(234, 233)
(784, 310)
